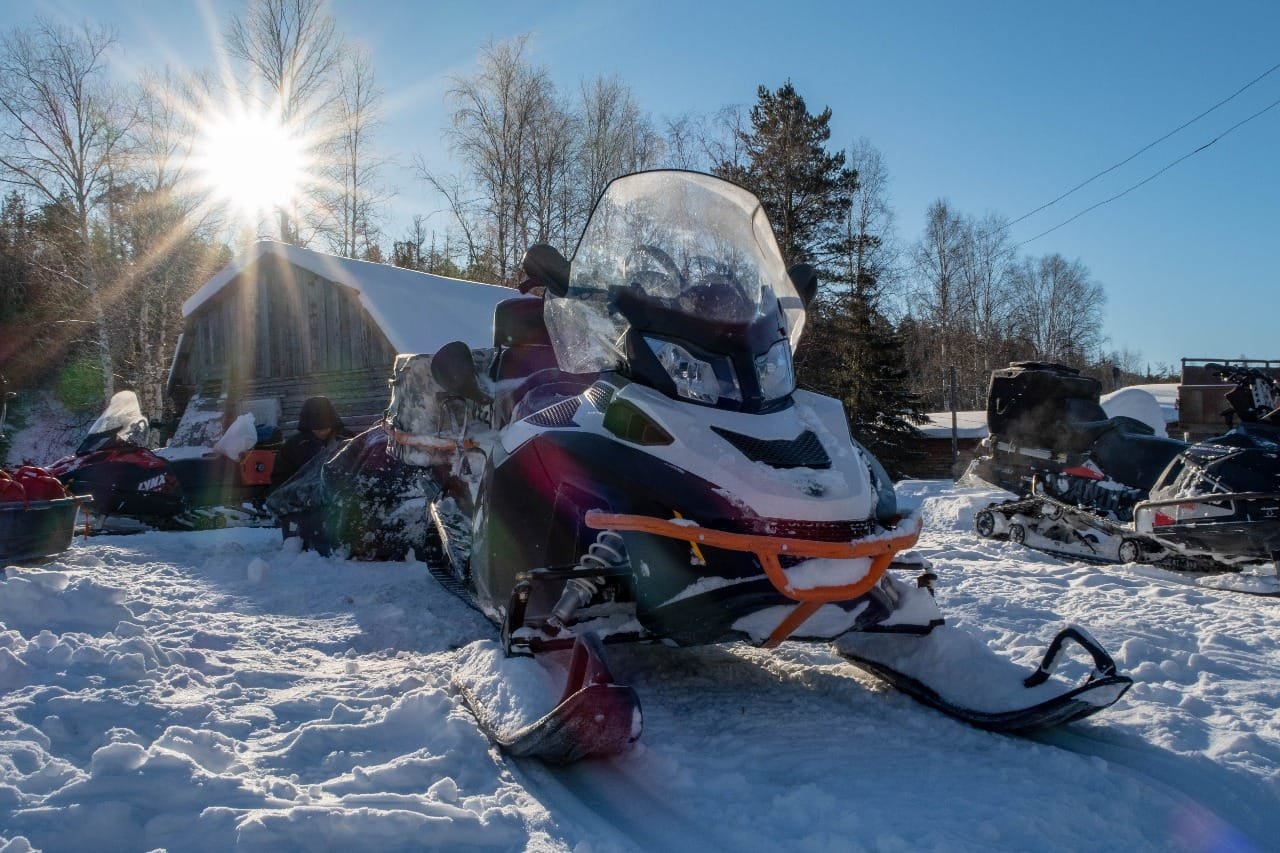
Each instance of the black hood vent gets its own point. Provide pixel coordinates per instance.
(803, 451)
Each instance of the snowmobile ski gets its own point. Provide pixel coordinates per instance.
(594, 717)
(954, 672)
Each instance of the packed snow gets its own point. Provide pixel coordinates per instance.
(223, 690)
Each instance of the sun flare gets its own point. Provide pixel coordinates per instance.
(252, 161)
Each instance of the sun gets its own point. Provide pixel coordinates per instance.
(252, 161)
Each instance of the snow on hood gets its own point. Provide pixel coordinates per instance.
(418, 312)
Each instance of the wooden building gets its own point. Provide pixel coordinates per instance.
(945, 456)
(281, 323)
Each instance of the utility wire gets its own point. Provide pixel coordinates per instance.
(1144, 148)
(1150, 178)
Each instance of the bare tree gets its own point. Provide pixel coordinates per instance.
(62, 133)
(939, 258)
(1059, 308)
(352, 194)
(616, 138)
(873, 256)
(497, 114)
(985, 302)
(292, 49)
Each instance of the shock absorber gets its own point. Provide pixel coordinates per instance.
(606, 552)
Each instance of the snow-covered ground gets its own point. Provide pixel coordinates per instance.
(219, 690)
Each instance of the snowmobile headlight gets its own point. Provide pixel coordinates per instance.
(777, 376)
(695, 379)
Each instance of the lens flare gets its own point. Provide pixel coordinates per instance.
(252, 161)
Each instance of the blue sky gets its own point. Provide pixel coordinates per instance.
(996, 107)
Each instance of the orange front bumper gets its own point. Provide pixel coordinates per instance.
(768, 550)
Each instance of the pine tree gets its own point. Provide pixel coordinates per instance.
(850, 351)
(804, 188)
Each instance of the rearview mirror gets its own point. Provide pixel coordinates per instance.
(805, 280)
(545, 266)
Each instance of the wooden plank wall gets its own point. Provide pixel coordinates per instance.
(280, 330)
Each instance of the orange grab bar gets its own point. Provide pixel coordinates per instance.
(769, 548)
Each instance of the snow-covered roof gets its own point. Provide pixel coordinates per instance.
(417, 311)
(968, 425)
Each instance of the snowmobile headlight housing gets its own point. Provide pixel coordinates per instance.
(696, 379)
(775, 372)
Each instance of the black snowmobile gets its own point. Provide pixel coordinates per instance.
(135, 488)
(653, 474)
(1109, 490)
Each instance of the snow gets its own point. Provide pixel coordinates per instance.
(217, 690)
(1141, 405)
(418, 312)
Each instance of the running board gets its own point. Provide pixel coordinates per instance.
(956, 673)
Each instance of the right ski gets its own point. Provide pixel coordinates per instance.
(594, 716)
(956, 673)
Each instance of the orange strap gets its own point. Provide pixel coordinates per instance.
(409, 439)
(768, 549)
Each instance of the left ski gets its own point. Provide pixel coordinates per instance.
(956, 673)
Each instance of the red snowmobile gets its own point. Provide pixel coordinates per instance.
(136, 488)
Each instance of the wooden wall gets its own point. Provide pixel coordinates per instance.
(280, 330)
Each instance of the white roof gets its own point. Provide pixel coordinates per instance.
(417, 311)
(968, 424)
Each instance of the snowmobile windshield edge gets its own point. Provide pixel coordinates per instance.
(122, 419)
(684, 245)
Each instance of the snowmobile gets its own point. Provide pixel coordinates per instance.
(652, 474)
(135, 488)
(1109, 490)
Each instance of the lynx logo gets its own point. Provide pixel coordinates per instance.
(154, 483)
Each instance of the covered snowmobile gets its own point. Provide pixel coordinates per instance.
(654, 475)
(1109, 490)
(135, 488)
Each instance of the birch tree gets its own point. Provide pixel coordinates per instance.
(63, 128)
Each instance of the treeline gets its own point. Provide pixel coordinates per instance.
(109, 224)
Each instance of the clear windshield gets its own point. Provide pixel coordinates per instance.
(686, 241)
(123, 418)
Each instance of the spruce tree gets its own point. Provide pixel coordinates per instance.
(804, 188)
(850, 350)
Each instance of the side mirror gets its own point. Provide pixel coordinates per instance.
(455, 372)
(805, 279)
(546, 266)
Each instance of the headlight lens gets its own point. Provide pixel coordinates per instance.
(695, 379)
(777, 376)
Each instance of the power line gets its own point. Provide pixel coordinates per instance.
(1145, 148)
(1152, 177)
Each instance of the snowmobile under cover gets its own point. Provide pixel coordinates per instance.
(1108, 490)
(654, 475)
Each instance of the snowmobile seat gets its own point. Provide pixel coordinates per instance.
(520, 333)
(525, 373)
(1131, 453)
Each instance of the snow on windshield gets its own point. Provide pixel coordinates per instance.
(678, 240)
